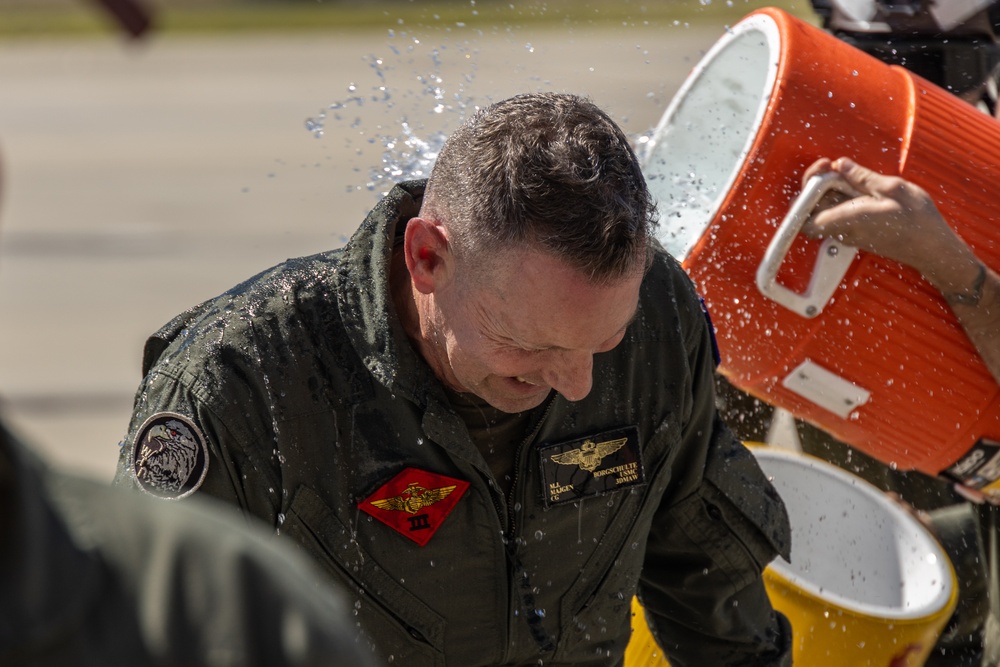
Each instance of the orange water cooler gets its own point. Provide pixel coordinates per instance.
(857, 344)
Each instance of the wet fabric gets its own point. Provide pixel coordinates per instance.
(94, 576)
(310, 398)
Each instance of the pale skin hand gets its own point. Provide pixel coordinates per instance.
(894, 218)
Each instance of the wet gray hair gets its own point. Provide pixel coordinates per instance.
(546, 171)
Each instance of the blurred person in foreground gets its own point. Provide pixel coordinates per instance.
(491, 414)
(95, 576)
(953, 45)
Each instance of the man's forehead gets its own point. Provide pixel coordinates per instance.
(523, 261)
(553, 305)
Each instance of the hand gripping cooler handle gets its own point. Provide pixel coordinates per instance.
(832, 261)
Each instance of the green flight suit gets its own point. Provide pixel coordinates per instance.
(95, 576)
(297, 396)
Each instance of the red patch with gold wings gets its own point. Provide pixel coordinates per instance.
(415, 503)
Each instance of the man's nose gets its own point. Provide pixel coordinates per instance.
(571, 374)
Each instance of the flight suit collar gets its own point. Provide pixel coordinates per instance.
(365, 299)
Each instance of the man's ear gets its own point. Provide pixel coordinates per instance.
(428, 254)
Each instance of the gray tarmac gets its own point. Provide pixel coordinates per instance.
(138, 182)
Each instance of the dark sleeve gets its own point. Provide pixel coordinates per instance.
(959, 531)
(701, 586)
(208, 590)
(235, 472)
(747, 416)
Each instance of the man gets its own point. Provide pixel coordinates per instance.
(953, 45)
(897, 219)
(491, 414)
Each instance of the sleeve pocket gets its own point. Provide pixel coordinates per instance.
(737, 477)
(737, 517)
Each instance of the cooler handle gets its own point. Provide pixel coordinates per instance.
(832, 262)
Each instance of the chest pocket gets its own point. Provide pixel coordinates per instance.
(596, 611)
(400, 627)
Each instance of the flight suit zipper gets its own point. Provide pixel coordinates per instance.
(520, 581)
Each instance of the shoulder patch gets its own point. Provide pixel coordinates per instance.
(169, 456)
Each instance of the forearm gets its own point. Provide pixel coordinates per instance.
(972, 290)
(981, 321)
(895, 218)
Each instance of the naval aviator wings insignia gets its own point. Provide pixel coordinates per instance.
(415, 503)
(414, 498)
(590, 454)
(591, 466)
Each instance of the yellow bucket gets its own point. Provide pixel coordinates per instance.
(868, 586)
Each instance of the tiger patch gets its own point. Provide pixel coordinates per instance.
(169, 456)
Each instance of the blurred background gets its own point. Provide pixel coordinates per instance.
(140, 175)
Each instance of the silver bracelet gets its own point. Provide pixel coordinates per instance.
(976, 293)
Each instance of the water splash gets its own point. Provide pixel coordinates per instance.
(407, 151)
(407, 148)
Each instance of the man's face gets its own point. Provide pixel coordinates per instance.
(530, 326)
